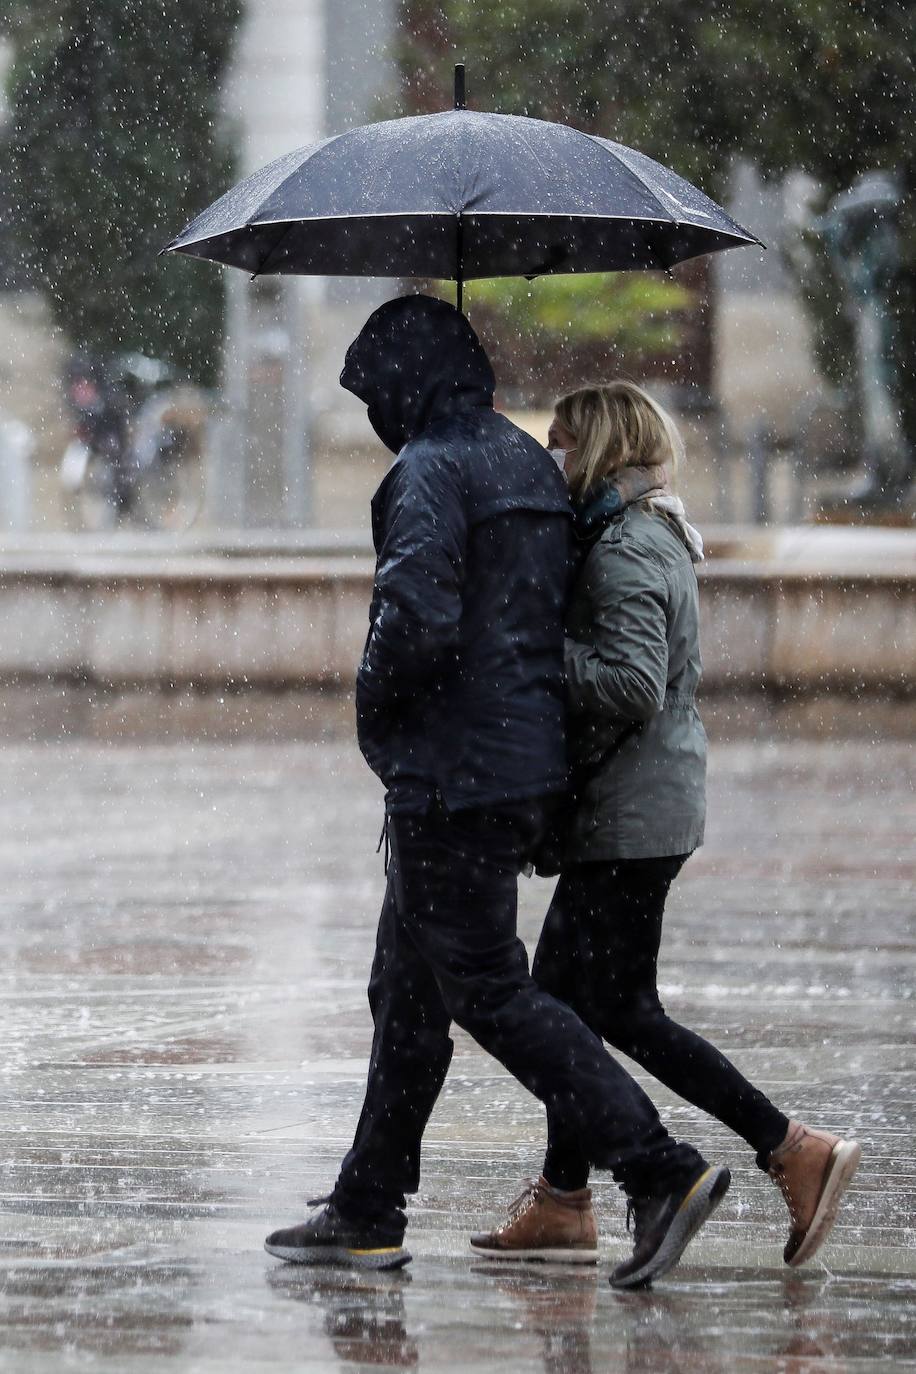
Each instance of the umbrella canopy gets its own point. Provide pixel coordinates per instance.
(458, 195)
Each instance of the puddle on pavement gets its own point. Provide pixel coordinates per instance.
(13, 1248)
(140, 957)
(200, 1050)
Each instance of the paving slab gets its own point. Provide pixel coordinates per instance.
(186, 933)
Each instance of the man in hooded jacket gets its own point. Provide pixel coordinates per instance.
(460, 713)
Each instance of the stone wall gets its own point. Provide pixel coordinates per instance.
(781, 626)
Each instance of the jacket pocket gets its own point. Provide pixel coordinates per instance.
(374, 730)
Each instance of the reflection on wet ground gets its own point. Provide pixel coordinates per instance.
(186, 935)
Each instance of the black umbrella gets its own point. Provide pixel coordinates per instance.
(458, 195)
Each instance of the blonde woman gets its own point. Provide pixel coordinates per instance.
(638, 751)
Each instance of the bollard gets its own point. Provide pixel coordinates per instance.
(758, 452)
(721, 455)
(16, 447)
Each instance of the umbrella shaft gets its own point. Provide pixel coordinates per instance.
(459, 262)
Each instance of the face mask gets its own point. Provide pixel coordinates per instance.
(559, 457)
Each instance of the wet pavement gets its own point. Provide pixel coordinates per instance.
(186, 934)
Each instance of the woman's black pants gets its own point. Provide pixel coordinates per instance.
(598, 952)
(448, 951)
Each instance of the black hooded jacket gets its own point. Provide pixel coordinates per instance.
(460, 688)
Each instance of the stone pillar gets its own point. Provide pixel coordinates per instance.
(303, 69)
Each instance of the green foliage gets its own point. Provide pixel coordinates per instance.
(114, 147)
(822, 85)
(632, 312)
(825, 85)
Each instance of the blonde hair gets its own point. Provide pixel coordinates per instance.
(617, 425)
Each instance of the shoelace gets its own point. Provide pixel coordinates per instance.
(790, 1145)
(777, 1171)
(782, 1183)
(778, 1175)
(635, 1214)
(526, 1198)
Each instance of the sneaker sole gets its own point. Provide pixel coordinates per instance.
(547, 1256)
(696, 1209)
(338, 1256)
(843, 1164)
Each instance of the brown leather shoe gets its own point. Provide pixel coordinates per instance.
(544, 1224)
(813, 1170)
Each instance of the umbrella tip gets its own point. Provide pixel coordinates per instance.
(460, 97)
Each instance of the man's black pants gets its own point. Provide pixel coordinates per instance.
(598, 952)
(448, 951)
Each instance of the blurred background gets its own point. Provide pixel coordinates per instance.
(183, 485)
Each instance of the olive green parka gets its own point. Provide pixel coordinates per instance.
(633, 658)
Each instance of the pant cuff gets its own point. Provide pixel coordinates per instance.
(776, 1134)
(371, 1209)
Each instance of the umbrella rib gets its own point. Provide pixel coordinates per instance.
(287, 230)
(670, 219)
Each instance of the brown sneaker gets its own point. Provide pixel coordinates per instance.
(813, 1170)
(545, 1224)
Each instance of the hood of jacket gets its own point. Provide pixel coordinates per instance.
(414, 360)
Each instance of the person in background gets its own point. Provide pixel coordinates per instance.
(638, 750)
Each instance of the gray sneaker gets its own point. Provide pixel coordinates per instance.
(327, 1238)
(665, 1226)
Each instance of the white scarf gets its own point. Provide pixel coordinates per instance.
(672, 508)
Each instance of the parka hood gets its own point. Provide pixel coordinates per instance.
(415, 359)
